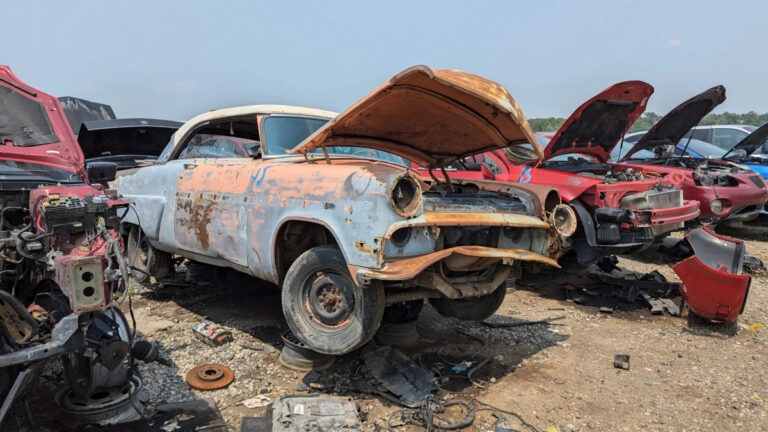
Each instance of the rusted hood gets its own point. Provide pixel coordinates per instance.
(673, 126)
(598, 124)
(431, 117)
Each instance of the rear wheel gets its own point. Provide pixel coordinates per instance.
(471, 309)
(145, 260)
(323, 306)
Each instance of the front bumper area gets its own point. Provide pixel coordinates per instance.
(410, 267)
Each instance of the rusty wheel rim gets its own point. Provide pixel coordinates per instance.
(330, 299)
(210, 376)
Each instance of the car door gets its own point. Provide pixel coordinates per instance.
(211, 200)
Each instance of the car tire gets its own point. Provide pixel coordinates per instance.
(323, 306)
(471, 309)
(146, 260)
(403, 312)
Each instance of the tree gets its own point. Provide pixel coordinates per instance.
(648, 119)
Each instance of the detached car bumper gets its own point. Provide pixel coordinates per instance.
(712, 279)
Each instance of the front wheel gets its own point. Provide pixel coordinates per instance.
(473, 308)
(324, 308)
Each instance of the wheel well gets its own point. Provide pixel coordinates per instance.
(296, 237)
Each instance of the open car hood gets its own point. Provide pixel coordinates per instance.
(751, 142)
(431, 117)
(33, 127)
(671, 128)
(136, 136)
(79, 111)
(598, 124)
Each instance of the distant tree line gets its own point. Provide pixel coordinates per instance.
(648, 119)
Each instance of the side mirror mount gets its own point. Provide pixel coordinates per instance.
(254, 150)
(101, 172)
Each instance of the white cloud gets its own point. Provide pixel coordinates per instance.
(674, 42)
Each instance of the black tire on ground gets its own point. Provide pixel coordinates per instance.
(471, 309)
(403, 312)
(147, 260)
(324, 308)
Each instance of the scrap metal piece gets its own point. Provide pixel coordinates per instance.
(295, 355)
(713, 284)
(659, 305)
(315, 413)
(399, 375)
(621, 361)
(104, 407)
(210, 376)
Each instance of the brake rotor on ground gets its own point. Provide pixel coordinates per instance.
(210, 376)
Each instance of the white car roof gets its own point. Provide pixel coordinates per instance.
(246, 111)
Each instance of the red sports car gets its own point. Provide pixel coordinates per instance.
(619, 209)
(725, 190)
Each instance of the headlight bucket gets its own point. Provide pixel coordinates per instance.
(716, 206)
(405, 195)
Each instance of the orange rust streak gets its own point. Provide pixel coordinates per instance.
(408, 268)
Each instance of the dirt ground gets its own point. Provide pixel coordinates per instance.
(685, 374)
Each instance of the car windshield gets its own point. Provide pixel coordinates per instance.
(24, 120)
(699, 149)
(285, 133)
(10, 170)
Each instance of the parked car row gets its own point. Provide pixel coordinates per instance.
(431, 187)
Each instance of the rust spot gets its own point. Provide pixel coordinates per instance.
(364, 247)
(198, 219)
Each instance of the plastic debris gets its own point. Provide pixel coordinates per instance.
(257, 402)
(212, 334)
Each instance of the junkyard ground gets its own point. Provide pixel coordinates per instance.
(685, 374)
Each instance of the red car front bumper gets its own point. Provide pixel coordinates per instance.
(712, 281)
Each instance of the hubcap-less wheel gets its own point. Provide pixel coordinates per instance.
(323, 306)
(331, 299)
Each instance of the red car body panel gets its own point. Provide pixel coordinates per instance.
(64, 153)
(745, 194)
(712, 282)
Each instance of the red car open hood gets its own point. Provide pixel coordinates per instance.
(33, 127)
(673, 126)
(431, 117)
(598, 124)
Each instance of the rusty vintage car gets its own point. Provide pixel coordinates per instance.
(327, 208)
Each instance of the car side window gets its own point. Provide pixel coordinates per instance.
(214, 146)
(726, 138)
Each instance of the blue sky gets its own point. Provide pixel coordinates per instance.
(175, 59)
